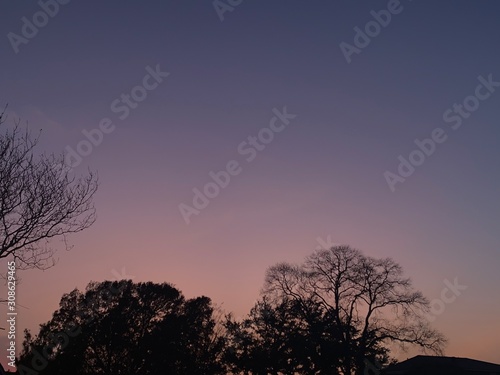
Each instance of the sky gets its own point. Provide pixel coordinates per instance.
(336, 96)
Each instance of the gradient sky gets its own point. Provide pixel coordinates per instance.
(322, 176)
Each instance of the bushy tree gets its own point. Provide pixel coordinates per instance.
(126, 328)
(287, 338)
(329, 315)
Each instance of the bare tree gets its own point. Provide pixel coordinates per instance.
(38, 202)
(369, 299)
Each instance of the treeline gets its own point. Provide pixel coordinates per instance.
(329, 315)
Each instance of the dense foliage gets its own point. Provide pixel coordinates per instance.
(328, 315)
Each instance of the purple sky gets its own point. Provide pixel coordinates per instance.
(321, 175)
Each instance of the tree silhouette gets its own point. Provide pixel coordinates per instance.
(288, 338)
(330, 315)
(368, 301)
(126, 328)
(37, 201)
